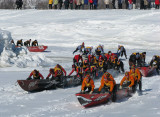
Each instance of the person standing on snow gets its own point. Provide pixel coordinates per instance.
(157, 4)
(106, 3)
(19, 4)
(36, 75)
(60, 2)
(80, 47)
(121, 50)
(91, 4)
(87, 83)
(108, 82)
(50, 4)
(55, 4)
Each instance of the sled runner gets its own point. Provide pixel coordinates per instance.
(37, 48)
(147, 71)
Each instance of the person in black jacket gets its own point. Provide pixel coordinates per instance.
(19, 4)
(60, 2)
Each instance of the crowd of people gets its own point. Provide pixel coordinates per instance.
(88, 65)
(93, 4)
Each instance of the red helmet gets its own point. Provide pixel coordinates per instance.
(126, 73)
(73, 66)
(107, 75)
(51, 70)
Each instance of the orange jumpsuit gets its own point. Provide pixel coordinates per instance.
(131, 79)
(109, 82)
(87, 84)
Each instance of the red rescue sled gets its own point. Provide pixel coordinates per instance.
(37, 48)
(88, 100)
(147, 71)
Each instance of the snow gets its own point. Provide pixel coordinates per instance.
(62, 31)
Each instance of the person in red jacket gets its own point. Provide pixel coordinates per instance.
(78, 70)
(157, 4)
(91, 4)
(76, 59)
(36, 75)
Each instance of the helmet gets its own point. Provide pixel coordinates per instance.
(143, 52)
(133, 67)
(51, 70)
(109, 52)
(107, 75)
(73, 66)
(58, 66)
(126, 73)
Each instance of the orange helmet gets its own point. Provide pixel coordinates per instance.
(107, 75)
(133, 67)
(126, 73)
(51, 70)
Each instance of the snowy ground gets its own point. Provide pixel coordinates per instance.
(62, 31)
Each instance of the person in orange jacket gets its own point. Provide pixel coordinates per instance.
(108, 81)
(136, 74)
(57, 72)
(36, 75)
(87, 83)
(127, 79)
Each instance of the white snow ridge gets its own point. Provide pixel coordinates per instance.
(10, 55)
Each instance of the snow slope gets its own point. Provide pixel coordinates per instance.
(62, 31)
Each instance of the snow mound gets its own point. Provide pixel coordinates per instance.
(10, 55)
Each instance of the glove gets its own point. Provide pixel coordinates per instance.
(120, 87)
(110, 92)
(29, 78)
(129, 88)
(82, 91)
(90, 92)
(47, 78)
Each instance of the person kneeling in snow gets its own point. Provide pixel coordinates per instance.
(128, 80)
(87, 83)
(36, 75)
(35, 43)
(108, 82)
(57, 72)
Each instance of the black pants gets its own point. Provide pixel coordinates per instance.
(113, 92)
(89, 88)
(50, 6)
